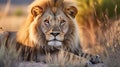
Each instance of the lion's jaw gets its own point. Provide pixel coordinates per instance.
(55, 43)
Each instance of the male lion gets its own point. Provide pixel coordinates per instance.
(49, 28)
(50, 24)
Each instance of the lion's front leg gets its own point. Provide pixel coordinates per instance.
(66, 59)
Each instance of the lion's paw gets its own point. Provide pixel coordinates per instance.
(89, 64)
(96, 59)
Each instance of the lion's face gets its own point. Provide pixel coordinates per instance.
(54, 27)
(53, 23)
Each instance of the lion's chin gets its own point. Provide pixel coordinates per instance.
(55, 43)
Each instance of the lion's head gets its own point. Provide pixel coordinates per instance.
(50, 23)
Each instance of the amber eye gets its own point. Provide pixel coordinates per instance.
(46, 22)
(62, 22)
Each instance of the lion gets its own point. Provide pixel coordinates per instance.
(50, 24)
(49, 28)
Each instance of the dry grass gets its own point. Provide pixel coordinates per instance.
(8, 56)
(110, 40)
(107, 36)
(102, 35)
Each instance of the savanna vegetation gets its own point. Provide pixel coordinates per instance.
(101, 20)
(99, 23)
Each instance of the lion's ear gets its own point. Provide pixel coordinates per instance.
(37, 10)
(72, 11)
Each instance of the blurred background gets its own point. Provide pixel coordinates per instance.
(98, 20)
(13, 13)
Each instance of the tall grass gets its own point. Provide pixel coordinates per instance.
(110, 40)
(8, 56)
(101, 20)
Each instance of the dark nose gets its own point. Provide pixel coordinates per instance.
(55, 33)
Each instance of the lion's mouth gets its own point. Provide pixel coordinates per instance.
(54, 42)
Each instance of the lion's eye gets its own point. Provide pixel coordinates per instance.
(62, 22)
(46, 22)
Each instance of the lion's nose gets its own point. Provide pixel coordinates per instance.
(55, 33)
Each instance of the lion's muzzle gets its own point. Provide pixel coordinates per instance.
(55, 39)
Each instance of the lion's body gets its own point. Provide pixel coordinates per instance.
(49, 28)
(53, 57)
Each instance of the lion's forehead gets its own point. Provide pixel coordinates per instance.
(54, 5)
(59, 15)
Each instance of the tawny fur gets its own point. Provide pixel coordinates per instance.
(24, 35)
(31, 36)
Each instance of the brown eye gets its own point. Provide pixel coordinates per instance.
(62, 22)
(46, 22)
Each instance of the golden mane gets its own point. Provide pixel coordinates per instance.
(23, 35)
